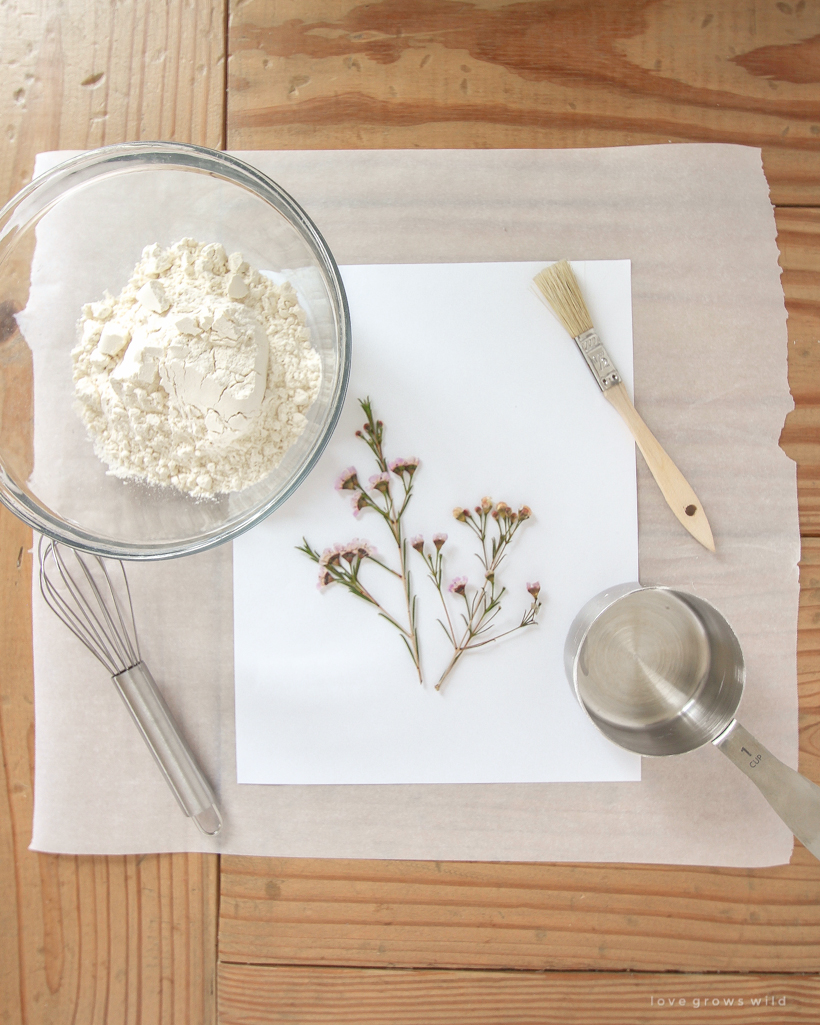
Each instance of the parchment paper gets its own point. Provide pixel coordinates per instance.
(710, 378)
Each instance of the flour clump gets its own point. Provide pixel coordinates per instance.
(198, 374)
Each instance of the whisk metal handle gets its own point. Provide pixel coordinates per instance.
(169, 748)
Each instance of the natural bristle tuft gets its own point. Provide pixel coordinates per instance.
(558, 285)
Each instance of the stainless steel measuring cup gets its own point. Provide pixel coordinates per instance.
(660, 672)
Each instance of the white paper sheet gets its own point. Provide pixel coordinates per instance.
(473, 374)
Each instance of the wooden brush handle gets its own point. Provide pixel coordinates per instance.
(680, 497)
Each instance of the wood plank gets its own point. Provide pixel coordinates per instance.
(326, 74)
(566, 917)
(606, 917)
(798, 237)
(88, 73)
(98, 940)
(264, 995)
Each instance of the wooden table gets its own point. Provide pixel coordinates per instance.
(196, 938)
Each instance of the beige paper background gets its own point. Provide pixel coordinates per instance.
(710, 378)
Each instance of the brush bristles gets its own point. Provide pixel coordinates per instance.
(558, 285)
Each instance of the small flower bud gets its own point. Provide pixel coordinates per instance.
(534, 589)
(462, 515)
(486, 505)
(524, 512)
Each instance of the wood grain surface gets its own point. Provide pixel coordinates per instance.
(798, 238)
(92, 940)
(308, 74)
(134, 939)
(335, 996)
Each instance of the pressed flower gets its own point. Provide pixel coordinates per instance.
(341, 563)
(472, 628)
(359, 549)
(359, 502)
(348, 480)
(380, 482)
(331, 556)
(407, 465)
(457, 585)
(484, 600)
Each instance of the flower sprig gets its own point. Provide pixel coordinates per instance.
(495, 526)
(388, 494)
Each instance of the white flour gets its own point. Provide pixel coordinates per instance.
(198, 374)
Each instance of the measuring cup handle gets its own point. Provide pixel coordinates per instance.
(795, 798)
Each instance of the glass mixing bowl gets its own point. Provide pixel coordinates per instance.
(79, 230)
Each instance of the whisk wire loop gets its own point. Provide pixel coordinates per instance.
(88, 604)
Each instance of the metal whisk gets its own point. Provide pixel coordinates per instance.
(79, 590)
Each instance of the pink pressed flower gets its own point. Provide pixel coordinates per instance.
(534, 589)
(438, 540)
(359, 502)
(357, 549)
(380, 482)
(461, 514)
(407, 465)
(417, 542)
(524, 512)
(348, 480)
(325, 579)
(331, 556)
(457, 586)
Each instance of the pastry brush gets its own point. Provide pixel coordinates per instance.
(558, 286)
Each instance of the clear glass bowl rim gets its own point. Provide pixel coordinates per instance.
(98, 163)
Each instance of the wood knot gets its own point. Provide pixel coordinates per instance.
(8, 325)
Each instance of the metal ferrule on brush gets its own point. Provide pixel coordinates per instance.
(598, 360)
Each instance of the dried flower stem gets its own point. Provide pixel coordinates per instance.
(482, 607)
(382, 499)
